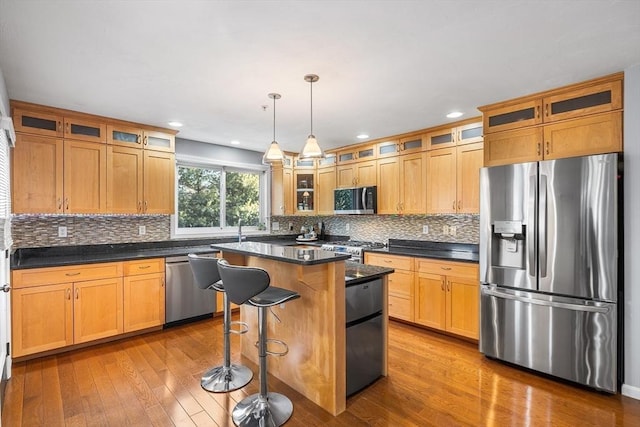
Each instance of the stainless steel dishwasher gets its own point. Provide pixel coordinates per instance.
(184, 301)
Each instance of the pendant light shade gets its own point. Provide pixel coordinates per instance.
(311, 147)
(273, 154)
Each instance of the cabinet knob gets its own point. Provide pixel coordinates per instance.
(6, 287)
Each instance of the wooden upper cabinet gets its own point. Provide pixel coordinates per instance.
(412, 144)
(37, 174)
(469, 160)
(469, 133)
(442, 138)
(599, 133)
(85, 177)
(413, 183)
(159, 141)
(388, 174)
(124, 180)
(281, 190)
(583, 101)
(355, 154)
(514, 146)
(38, 123)
(126, 136)
(513, 116)
(85, 130)
(358, 174)
(329, 161)
(159, 182)
(388, 148)
(302, 163)
(326, 183)
(441, 183)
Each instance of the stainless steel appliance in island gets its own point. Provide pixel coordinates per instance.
(549, 258)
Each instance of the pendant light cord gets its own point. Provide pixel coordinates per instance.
(311, 82)
(274, 118)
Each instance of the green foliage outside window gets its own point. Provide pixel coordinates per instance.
(200, 196)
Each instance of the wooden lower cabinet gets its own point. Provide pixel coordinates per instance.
(144, 294)
(55, 307)
(447, 296)
(42, 318)
(400, 283)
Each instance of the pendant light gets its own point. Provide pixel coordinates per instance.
(273, 154)
(311, 148)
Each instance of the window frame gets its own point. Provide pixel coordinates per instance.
(224, 166)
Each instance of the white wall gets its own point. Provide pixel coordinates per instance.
(631, 386)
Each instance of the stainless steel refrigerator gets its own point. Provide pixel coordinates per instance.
(549, 267)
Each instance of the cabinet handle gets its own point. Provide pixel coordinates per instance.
(403, 147)
(77, 293)
(67, 125)
(66, 204)
(537, 111)
(459, 204)
(145, 206)
(454, 205)
(446, 268)
(459, 136)
(139, 206)
(59, 204)
(162, 282)
(144, 267)
(68, 293)
(59, 127)
(145, 140)
(398, 148)
(546, 110)
(547, 149)
(388, 261)
(139, 139)
(72, 274)
(442, 285)
(448, 286)
(538, 149)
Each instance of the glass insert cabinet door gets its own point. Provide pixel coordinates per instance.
(159, 141)
(124, 136)
(304, 193)
(38, 123)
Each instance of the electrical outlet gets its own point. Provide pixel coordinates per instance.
(62, 231)
(275, 226)
(452, 230)
(142, 230)
(347, 227)
(425, 229)
(290, 226)
(445, 229)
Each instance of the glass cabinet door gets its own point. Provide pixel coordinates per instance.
(413, 144)
(513, 116)
(43, 124)
(159, 141)
(304, 193)
(387, 149)
(469, 134)
(441, 139)
(594, 99)
(124, 136)
(85, 130)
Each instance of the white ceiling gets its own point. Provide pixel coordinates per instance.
(385, 67)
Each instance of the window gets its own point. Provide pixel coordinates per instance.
(214, 199)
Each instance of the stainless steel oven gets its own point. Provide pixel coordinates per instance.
(355, 248)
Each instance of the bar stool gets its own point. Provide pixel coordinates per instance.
(227, 377)
(250, 285)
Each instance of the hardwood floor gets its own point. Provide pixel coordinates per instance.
(433, 380)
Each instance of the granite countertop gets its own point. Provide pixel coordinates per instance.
(356, 273)
(464, 252)
(279, 252)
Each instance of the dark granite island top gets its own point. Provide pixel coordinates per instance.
(288, 254)
(355, 273)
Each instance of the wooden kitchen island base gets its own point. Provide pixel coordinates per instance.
(313, 328)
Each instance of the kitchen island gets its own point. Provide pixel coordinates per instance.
(314, 326)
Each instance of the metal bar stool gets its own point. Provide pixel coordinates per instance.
(227, 377)
(250, 285)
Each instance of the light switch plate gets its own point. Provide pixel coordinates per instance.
(425, 229)
(452, 230)
(142, 230)
(445, 229)
(275, 226)
(62, 231)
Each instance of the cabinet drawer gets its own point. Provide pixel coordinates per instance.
(401, 283)
(391, 261)
(74, 273)
(144, 266)
(400, 308)
(447, 268)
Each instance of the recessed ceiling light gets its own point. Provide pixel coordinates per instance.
(454, 114)
(362, 136)
(175, 124)
(234, 142)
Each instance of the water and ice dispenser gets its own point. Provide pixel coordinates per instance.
(509, 239)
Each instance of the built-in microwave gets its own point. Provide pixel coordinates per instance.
(359, 200)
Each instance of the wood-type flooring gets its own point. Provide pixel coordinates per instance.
(434, 380)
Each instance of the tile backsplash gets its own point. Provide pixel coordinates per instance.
(31, 231)
(380, 228)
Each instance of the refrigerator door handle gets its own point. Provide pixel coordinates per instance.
(530, 242)
(542, 226)
(576, 307)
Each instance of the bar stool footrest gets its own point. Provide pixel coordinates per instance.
(275, 353)
(243, 327)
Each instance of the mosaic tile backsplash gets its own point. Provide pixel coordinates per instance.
(31, 231)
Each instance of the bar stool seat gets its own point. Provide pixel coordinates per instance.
(251, 286)
(226, 377)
